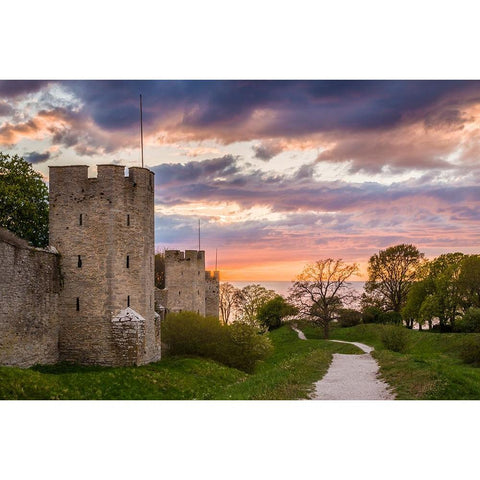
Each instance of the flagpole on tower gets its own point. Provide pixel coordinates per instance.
(198, 234)
(141, 127)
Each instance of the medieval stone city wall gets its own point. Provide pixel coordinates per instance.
(212, 293)
(185, 280)
(104, 229)
(30, 284)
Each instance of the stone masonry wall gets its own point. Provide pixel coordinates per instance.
(212, 293)
(104, 230)
(30, 284)
(185, 280)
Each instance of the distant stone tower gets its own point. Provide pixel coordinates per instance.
(185, 280)
(103, 229)
(212, 293)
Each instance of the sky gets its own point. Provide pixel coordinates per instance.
(280, 173)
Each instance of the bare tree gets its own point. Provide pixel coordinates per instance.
(322, 289)
(228, 296)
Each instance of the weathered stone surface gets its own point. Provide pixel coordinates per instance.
(212, 293)
(185, 280)
(188, 287)
(104, 229)
(29, 290)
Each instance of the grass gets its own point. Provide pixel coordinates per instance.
(430, 369)
(289, 373)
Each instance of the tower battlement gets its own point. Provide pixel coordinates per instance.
(75, 179)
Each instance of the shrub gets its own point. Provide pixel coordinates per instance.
(470, 323)
(237, 345)
(348, 317)
(390, 318)
(371, 315)
(395, 338)
(270, 314)
(470, 350)
(245, 347)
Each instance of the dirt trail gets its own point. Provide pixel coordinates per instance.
(351, 377)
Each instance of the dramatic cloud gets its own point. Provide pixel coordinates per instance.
(14, 88)
(298, 215)
(283, 171)
(36, 157)
(266, 151)
(5, 109)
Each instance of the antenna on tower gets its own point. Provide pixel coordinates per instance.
(198, 234)
(216, 258)
(141, 127)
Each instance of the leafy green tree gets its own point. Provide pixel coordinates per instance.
(248, 301)
(391, 273)
(322, 289)
(470, 322)
(469, 281)
(271, 313)
(444, 300)
(437, 294)
(415, 298)
(23, 200)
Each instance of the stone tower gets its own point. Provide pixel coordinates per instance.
(103, 229)
(185, 280)
(212, 293)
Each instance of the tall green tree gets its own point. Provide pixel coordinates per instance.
(248, 301)
(271, 313)
(391, 273)
(23, 200)
(438, 293)
(469, 281)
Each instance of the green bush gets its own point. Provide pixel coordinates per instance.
(470, 350)
(470, 323)
(395, 338)
(371, 315)
(390, 318)
(270, 314)
(347, 317)
(237, 345)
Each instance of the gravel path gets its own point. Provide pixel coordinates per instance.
(300, 334)
(352, 377)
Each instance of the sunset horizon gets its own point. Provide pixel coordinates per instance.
(279, 173)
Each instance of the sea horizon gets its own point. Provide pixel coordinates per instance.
(282, 286)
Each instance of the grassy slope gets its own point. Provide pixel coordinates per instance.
(430, 369)
(287, 374)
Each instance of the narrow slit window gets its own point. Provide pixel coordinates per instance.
(128, 261)
(128, 220)
(78, 304)
(128, 300)
(79, 264)
(80, 220)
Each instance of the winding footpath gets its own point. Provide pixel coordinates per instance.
(351, 377)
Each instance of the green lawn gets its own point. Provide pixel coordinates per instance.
(289, 373)
(430, 369)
